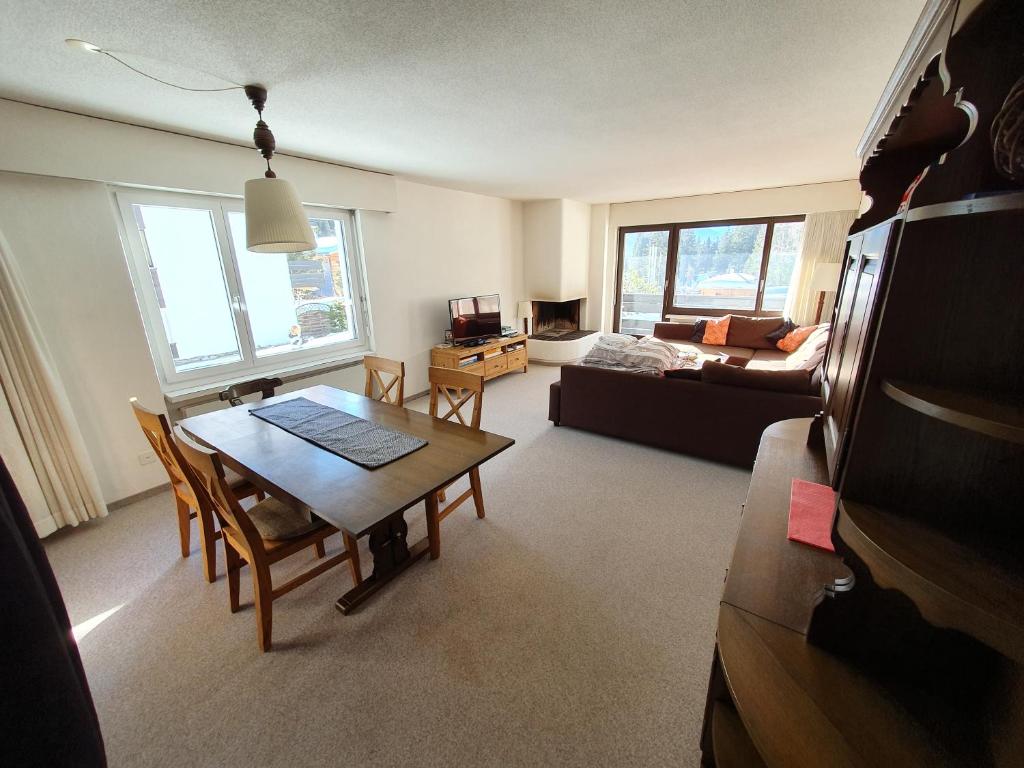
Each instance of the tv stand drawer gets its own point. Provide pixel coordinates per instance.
(494, 365)
(517, 359)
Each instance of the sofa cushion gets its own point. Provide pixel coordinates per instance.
(795, 338)
(769, 355)
(795, 381)
(717, 331)
(768, 360)
(699, 327)
(712, 349)
(779, 333)
(751, 331)
(809, 355)
(767, 365)
(674, 331)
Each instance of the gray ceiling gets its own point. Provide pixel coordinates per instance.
(598, 101)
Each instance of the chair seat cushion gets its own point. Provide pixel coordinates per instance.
(233, 478)
(279, 522)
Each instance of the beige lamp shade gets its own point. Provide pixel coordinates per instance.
(274, 219)
(825, 277)
(524, 309)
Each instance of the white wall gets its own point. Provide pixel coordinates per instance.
(542, 250)
(575, 248)
(440, 244)
(556, 244)
(62, 232)
(49, 142)
(777, 201)
(597, 281)
(63, 236)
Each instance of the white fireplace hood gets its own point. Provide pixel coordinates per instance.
(556, 246)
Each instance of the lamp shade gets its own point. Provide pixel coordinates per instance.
(274, 219)
(524, 309)
(825, 277)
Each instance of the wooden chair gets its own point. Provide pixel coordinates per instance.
(158, 432)
(236, 392)
(262, 535)
(375, 366)
(458, 389)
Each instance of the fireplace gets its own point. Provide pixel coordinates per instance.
(556, 320)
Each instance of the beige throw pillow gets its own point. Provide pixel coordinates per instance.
(809, 355)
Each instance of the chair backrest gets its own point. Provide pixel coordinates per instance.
(212, 489)
(158, 432)
(376, 388)
(236, 392)
(458, 389)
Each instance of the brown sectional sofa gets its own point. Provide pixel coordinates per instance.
(718, 421)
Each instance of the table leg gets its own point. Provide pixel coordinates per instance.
(391, 555)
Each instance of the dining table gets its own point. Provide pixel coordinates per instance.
(359, 501)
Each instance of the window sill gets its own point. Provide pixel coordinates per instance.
(182, 396)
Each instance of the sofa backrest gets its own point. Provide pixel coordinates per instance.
(750, 332)
(673, 331)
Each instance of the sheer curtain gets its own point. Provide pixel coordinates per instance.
(40, 442)
(824, 242)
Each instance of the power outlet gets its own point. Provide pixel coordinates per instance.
(147, 457)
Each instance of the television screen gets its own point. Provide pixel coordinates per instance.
(475, 317)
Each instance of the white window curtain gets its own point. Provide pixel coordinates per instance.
(824, 243)
(40, 441)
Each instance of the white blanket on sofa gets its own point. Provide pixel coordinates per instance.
(620, 352)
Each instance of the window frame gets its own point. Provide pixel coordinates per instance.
(174, 382)
(668, 298)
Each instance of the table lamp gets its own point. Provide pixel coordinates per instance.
(824, 279)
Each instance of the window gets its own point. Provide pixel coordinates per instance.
(644, 259)
(711, 268)
(216, 312)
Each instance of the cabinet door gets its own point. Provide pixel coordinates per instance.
(841, 318)
(854, 323)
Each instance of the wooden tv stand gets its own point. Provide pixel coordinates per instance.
(493, 359)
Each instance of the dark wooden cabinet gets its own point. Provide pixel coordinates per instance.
(867, 256)
(905, 647)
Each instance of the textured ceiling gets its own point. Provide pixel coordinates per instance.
(597, 101)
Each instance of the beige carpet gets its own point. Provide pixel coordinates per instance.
(572, 627)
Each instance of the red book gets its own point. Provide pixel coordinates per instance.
(811, 509)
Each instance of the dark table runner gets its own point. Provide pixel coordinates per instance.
(360, 441)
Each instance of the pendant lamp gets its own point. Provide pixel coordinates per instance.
(274, 219)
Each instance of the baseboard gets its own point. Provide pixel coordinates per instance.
(155, 491)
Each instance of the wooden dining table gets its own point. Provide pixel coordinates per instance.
(358, 501)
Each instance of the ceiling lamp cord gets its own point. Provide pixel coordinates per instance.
(164, 82)
(82, 45)
(275, 221)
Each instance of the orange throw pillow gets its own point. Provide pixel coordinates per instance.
(795, 338)
(716, 331)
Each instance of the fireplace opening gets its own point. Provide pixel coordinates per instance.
(557, 320)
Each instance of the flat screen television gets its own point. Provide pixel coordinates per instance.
(475, 317)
